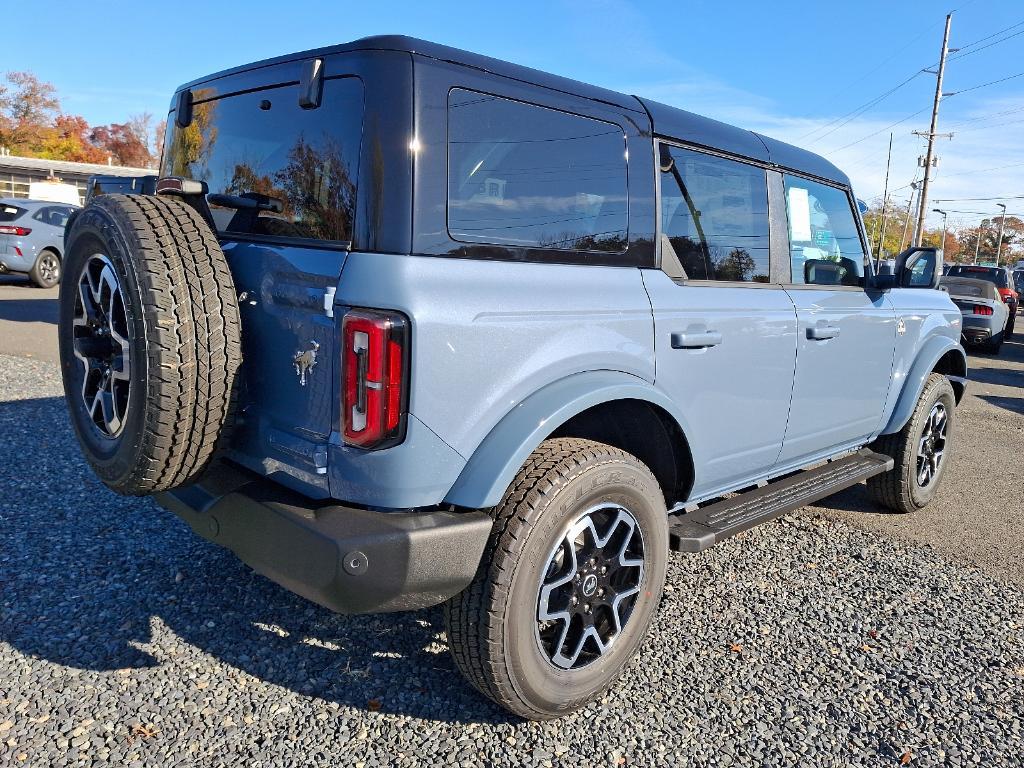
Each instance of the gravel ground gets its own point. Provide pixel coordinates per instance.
(126, 640)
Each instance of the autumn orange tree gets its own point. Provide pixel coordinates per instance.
(32, 124)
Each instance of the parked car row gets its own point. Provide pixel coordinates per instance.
(986, 317)
(32, 238)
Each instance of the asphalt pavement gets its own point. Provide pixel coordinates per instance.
(836, 636)
(28, 319)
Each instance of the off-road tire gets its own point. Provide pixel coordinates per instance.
(898, 490)
(42, 277)
(184, 337)
(491, 625)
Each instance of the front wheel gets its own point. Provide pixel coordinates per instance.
(569, 582)
(921, 450)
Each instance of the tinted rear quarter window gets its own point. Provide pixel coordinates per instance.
(10, 212)
(529, 176)
(299, 164)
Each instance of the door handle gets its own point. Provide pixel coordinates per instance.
(696, 339)
(821, 332)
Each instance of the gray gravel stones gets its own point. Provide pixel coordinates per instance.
(126, 640)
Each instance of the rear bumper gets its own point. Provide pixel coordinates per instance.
(977, 331)
(346, 559)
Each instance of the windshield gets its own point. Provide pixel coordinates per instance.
(991, 274)
(274, 169)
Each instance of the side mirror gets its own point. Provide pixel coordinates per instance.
(918, 267)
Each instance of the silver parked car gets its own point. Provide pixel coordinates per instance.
(32, 238)
(984, 311)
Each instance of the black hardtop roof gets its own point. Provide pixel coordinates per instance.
(667, 121)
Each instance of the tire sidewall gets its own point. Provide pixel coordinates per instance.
(95, 231)
(936, 391)
(539, 682)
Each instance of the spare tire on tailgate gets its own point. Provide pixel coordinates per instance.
(150, 343)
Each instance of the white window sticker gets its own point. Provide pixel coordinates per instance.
(799, 215)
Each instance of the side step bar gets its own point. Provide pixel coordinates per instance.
(696, 531)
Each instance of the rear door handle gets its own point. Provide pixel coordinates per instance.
(820, 332)
(696, 339)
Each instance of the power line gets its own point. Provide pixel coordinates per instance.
(965, 199)
(989, 37)
(852, 115)
(875, 133)
(983, 170)
(976, 50)
(986, 85)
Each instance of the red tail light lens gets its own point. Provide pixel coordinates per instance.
(375, 374)
(980, 309)
(10, 229)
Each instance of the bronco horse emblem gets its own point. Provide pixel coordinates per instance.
(305, 361)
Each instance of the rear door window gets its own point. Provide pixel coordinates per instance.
(54, 215)
(529, 176)
(298, 167)
(824, 241)
(714, 215)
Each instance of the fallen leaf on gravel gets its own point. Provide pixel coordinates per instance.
(811, 566)
(867, 648)
(145, 731)
(373, 705)
(23, 757)
(735, 647)
(873, 634)
(5, 726)
(907, 757)
(202, 684)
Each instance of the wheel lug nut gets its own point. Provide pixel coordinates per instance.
(586, 608)
(575, 600)
(604, 570)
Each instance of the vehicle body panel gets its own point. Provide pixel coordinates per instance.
(736, 394)
(932, 329)
(842, 382)
(488, 334)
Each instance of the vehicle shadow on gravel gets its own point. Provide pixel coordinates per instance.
(95, 581)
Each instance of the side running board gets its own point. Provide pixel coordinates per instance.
(696, 531)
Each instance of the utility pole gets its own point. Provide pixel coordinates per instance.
(929, 157)
(977, 244)
(1002, 221)
(885, 202)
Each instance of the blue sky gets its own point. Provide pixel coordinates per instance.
(789, 69)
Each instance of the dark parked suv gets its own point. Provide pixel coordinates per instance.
(403, 325)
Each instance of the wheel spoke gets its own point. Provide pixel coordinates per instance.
(100, 340)
(589, 586)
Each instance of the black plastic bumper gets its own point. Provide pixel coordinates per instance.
(346, 559)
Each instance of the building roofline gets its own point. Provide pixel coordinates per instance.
(70, 166)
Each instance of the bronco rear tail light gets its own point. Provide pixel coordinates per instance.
(980, 309)
(8, 229)
(375, 377)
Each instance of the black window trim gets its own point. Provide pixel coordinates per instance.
(699, 148)
(490, 251)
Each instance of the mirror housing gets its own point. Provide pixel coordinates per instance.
(918, 267)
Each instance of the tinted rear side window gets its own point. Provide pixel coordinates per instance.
(10, 212)
(300, 165)
(714, 212)
(529, 176)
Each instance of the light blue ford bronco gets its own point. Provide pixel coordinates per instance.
(403, 325)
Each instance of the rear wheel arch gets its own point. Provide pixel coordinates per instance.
(588, 405)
